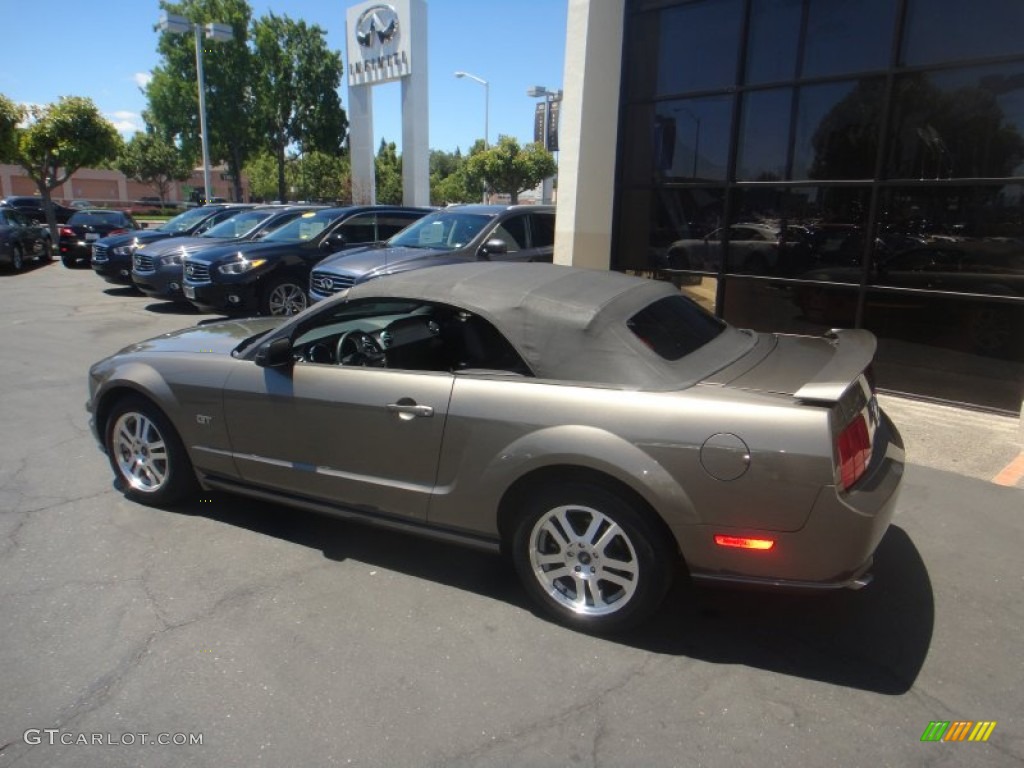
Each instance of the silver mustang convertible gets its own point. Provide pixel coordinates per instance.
(601, 429)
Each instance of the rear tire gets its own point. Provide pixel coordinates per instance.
(590, 558)
(147, 455)
(17, 258)
(46, 256)
(67, 260)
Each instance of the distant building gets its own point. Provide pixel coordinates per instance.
(113, 189)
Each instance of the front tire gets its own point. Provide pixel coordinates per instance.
(17, 259)
(146, 454)
(591, 559)
(284, 296)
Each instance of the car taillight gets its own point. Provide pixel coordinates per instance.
(854, 449)
(117, 232)
(741, 542)
(66, 232)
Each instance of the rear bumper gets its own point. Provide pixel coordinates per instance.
(835, 546)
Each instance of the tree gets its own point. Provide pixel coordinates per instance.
(152, 160)
(261, 169)
(506, 167)
(323, 176)
(450, 180)
(172, 92)
(57, 140)
(388, 170)
(10, 115)
(296, 90)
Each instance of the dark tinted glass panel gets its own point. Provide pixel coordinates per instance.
(658, 228)
(958, 239)
(962, 123)
(818, 232)
(359, 229)
(954, 347)
(674, 326)
(697, 46)
(764, 135)
(678, 140)
(949, 30)
(837, 130)
(773, 40)
(845, 37)
(809, 309)
(389, 224)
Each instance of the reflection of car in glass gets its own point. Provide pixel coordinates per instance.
(22, 239)
(976, 268)
(600, 428)
(753, 248)
(87, 226)
(451, 236)
(157, 267)
(270, 276)
(112, 256)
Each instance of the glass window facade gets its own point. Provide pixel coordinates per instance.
(798, 165)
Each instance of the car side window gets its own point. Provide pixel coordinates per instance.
(3, 219)
(389, 224)
(513, 232)
(542, 229)
(406, 335)
(361, 228)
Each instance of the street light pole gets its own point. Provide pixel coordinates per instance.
(487, 103)
(178, 25)
(487, 114)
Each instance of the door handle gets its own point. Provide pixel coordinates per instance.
(408, 409)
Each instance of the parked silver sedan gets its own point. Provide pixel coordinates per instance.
(602, 429)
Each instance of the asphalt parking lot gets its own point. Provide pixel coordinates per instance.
(285, 638)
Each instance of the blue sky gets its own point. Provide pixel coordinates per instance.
(104, 49)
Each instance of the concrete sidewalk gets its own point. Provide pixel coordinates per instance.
(972, 443)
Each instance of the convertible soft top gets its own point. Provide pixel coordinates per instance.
(568, 323)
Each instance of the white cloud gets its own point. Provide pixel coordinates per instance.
(142, 78)
(126, 123)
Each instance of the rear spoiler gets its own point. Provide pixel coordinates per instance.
(855, 349)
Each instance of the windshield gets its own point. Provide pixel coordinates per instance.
(239, 225)
(444, 231)
(185, 221)
(307, 227)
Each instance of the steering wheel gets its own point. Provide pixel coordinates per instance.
(359, 348)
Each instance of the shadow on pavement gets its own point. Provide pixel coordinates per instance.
(123, 290)
(172, 308)
(875, 639)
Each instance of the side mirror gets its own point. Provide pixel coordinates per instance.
(493, 247)
(334, 242)
(276, 354)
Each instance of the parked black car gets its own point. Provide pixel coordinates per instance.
(75, 238)
(270, 276)
(157, 267)
(112, 256)
(22, 239)
(32, 207)
(450, 236)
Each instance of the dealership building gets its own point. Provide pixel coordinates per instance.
(799, 165)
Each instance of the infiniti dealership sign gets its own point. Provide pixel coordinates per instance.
(379, 48)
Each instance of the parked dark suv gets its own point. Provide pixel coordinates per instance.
(157, 267)
(32, 207)
(457, 234)
(270, 276)
(112, 256)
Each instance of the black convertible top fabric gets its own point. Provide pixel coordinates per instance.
(567, 323)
